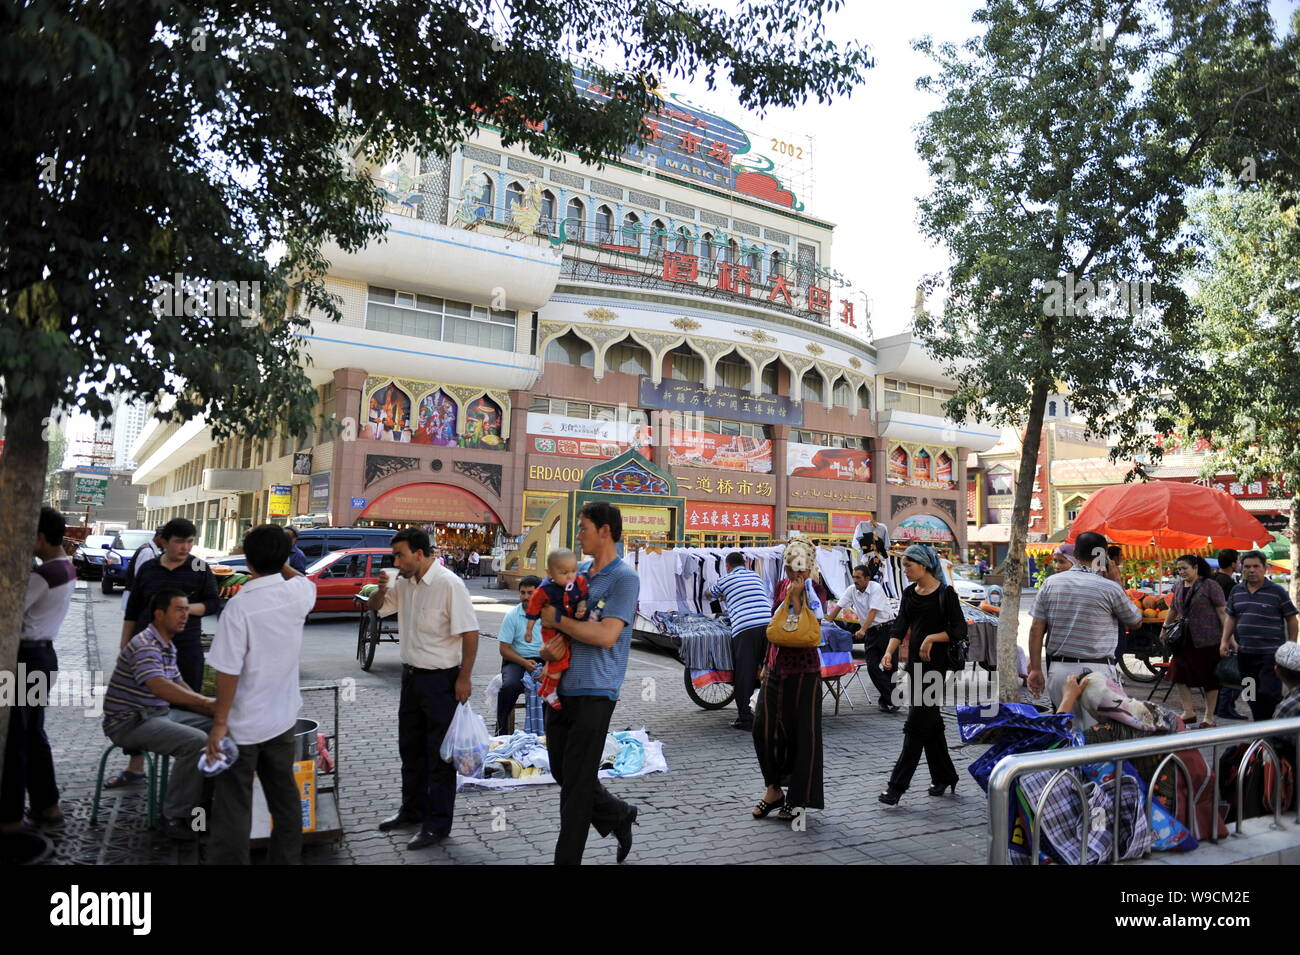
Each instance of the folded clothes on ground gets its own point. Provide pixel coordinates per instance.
(522, 760)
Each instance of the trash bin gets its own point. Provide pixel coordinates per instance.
(304, 739)
(304, 778)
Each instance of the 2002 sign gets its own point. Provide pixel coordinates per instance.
(787, 149)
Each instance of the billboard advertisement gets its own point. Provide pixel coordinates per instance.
(837, 464)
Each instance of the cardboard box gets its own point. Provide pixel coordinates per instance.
(304, 777)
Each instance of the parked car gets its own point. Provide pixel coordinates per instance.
(236, 562)
(117, 558)
(338, 576)
(88, 558)
(316, 542)
(969, 588)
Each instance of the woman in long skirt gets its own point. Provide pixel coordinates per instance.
(788, 717)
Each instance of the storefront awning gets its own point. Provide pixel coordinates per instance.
(429, 504)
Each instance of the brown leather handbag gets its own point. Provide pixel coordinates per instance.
(788, 630)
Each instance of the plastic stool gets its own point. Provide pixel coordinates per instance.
(156, 770)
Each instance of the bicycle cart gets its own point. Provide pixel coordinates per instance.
(1139, 650)
(372, 629)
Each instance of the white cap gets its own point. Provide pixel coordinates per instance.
(1288, 657)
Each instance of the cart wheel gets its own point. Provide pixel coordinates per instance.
(715, 696)
(1137, 666)
(363, 628)
(372, 641)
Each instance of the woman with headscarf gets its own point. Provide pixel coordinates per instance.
(1199, 602)
(788, 716)
(1063, 558)
(929, 616)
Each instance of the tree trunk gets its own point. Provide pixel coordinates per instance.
(1009, 612)
(22, 480)
(1293, 528)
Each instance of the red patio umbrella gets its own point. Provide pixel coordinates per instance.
(1170, 515)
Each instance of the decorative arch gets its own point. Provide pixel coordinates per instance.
(898, 465)
(923, 464)
(754, 371)
(619, 335)
(712, 349)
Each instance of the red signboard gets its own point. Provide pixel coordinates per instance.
(731, 518)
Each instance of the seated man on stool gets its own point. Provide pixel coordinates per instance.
(866, 598)
(519, 654)
(147, 706)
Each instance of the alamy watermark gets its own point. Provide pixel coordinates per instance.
(1068, 297)
(190, 297)
(75, 688)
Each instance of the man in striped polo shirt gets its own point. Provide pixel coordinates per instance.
(748, 605)
(1261, 617)
(1079, 611)
(147, 706)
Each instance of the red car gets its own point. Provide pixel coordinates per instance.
(341, 574)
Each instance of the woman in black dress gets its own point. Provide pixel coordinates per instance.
(929, 616)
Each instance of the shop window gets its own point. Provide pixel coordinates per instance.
(683, 244)
(628, 357)
(1001, 481)
(687, 365)
(841, 392)
(811, 386)
(569, 349)
(732, 371)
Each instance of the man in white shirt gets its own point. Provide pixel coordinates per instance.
(438, 634)
(29, 764)
(868, 601)
(473, 564)
(255, 655)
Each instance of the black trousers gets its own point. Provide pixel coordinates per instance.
(29, 764)
(575, 738)
(424, 713)
(232, 804)
(1268, 688)
(788, 737)
(748, 648)
(189, 660)
(875, 644)
(922, 733)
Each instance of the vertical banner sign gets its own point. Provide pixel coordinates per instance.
(279, 501)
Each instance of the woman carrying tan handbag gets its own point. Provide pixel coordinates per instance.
(788, 717)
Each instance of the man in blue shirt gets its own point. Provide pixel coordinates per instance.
(589, 688)
(748, 605)
(518, 654)
(1261, 617)
(297, 559)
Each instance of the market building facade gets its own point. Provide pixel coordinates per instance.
(526, 319)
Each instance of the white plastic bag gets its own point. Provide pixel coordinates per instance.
(466, 742)
(491, 693)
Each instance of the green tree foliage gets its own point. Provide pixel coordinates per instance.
(1242, 390)
(142, 139)
(1068, 138)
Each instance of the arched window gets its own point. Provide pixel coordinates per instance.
(483, 195)
(632, 230)
(733, 252)
(547, 224)
(755, 262)
(840, 392)
(604, 224)
(514, 197)
(732, 371)
(683, 240)
(1051, 409)
(576, 213)
(628, 357)
(706, 252)
(658, 232)
(812, 385)
(864, 398)
(687, 364)
(769, 378)
(776, 264)
(569, 349)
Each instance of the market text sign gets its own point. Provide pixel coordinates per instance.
(544, 472)
(731, 403)
(90, 485)
(646, 521)
(586, 437)
(753, 518)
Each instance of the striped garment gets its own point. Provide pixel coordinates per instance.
(146, 655)
(1082, 611)
(1261, 616)
(745, 599)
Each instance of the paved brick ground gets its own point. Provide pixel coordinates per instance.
(698, 812)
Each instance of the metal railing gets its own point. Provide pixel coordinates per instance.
(1009, 769)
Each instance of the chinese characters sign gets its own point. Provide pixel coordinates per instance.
(583, 437)
(731, 403)
(745, 518)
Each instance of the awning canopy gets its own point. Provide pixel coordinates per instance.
(429, 504)
(1169, 514)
